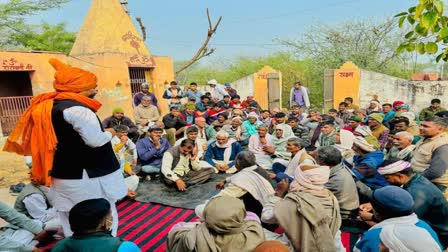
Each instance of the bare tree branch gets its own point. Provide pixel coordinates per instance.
(142, 27)
(203, 51)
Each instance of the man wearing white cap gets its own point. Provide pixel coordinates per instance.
(430, 203)
(218, 90)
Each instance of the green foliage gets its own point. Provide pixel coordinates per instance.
(16, 34)
(430, 26)
(44, 38)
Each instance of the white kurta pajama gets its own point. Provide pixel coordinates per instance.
(68, 192)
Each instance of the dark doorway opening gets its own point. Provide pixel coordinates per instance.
(138, 75)
(15, 96)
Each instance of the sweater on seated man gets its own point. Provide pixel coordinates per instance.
(179, 170)
(34, 202)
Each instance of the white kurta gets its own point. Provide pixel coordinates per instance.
(68, 192)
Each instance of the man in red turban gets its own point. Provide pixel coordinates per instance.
(70, 149)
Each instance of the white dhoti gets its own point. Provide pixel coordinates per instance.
(68, 192)
(19, 235)
(264, 161)
(132, 182)
(205, 164)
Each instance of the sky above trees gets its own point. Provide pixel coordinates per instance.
(249, 28)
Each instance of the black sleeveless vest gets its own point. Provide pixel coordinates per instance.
(72, 155)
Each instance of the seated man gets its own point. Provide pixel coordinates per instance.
(145, 114)
(279, 118)
(189, 114)
(431, 152)
(379, 131)
(91, 221)
(235, 102)
(300, 131)
(178, 168)
(365, 164)
(126, 153)
(150, 151)
(220, 122)
(256, 144)
(201, 106)
(338, 121)
(277, 150)
(353, 123)
(341, 183)
(221, 154)
(225, 226)
(430, 203)
(206, 132)
(308, 214)
(25, 233)
(283, 169)
(326, 137)
(402, 147)
(251, 183)
(236, 131)
(225, 102)
(297, 113)
(118, 118)
(250, 102)
(392, 206)
(265, 117)
(174, 122)
(431, 110)
(200, 146)
(251, 123)
(406, 238)
(402, 124)
(212, 114)
(34, 202)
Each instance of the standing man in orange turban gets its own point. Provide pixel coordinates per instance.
(70, 149)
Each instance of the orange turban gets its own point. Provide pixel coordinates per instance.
(34, 133)
(271, 246)
(71, 79)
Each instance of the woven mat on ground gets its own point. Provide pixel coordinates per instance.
(156, 192)
(147, 225)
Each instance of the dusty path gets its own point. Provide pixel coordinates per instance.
(12, 168)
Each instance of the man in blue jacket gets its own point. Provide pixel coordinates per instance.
(150, 150)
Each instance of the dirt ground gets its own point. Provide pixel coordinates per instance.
(13, 169)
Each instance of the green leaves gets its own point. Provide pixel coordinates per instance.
(444, 32)
(429, 19)
(431, 47)
(428, 31)
(401, 21)
(421, 48)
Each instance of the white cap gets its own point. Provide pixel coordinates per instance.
(212, 82)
